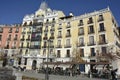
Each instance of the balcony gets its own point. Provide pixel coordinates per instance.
(60, 27)
(68, 35)
(102, 30)
(47, 23)
(15, 38)
(23, 32)
(52, 37)
(68, 26)
(100, 19)
(91, 43)
(51, 46)
(91, 32)
(13, 47)
(80, 33)
(28, 39)
(37, 24)
(7, 47)
(67, 46)
(53, 21)
(29, 32)
(81, 44)
(37, 31)
(80, 24)
(9, 39)
(22, 46)
(16, 31)
(102, 42)
(59, 46)
(36, 39)
(22, 39)
(10, 31)
(35, 47)
(46, 30)
(90, 21)
(52, 30)
(44, 46)
(45, 38)
(27, 46)
(59, 36)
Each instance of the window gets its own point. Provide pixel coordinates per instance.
(47, 20)
(0, 37)
(58, 54)
(28, 36)
(25, 24)
(51, 51)
(44, 52)
(60, 26)
(22, 44)
(19, 59)
(68, 25)
(81, 31)
(100, 18)
(17, 30)
(68, 33)
(23, 36)
(10, 30)
(7, 45)
(53, 20)
(1, 30)
(80, 23)
(59, 33)
(51, 43)
(68, 53)
(59, 42)
(81, 41)
(90, 20)
(104, 50)
(9, 37)
(92, 51)
(101, 27)
(25, 63)
(20, 51)
(15, 37)
(27, 44)
(67, 42)
(91, 40)
(14, 45)
(82, 52)
(102, 39)
(91, 29)
(26, 51)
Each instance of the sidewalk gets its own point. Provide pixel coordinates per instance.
(55, 77)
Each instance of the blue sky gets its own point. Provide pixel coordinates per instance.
(13, 11)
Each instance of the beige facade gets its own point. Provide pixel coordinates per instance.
(91, 34)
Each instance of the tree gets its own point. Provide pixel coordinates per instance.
(77, 55)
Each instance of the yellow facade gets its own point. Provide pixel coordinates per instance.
(90, 34)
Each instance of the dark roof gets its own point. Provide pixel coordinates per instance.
(66, 17)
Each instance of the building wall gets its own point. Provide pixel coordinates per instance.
(10, 39)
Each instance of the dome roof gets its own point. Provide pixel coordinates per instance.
(43, 6)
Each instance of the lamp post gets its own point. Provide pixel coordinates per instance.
(47, 76)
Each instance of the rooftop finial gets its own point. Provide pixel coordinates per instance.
(43, 5)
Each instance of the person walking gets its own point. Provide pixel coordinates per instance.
(113, 74)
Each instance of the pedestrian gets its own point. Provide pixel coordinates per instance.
(113, 74)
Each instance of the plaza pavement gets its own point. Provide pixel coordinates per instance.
(40, 76)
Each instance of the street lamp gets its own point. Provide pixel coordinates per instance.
(47, 76)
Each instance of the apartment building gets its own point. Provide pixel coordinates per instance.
(50, 33)
(56, 35)
(10, 39)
